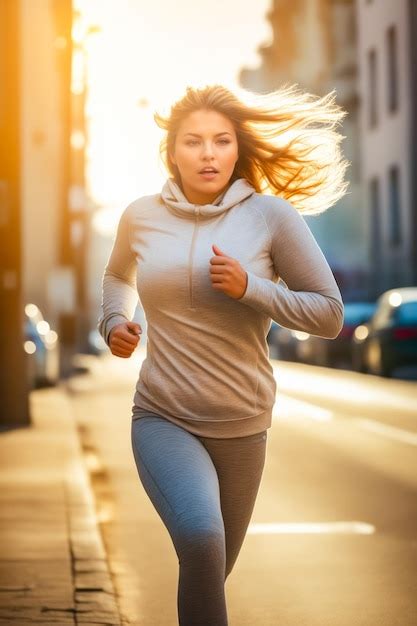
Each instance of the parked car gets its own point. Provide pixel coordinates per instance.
(41, 346)
(389, 339)
(283, 342)
(331, 352)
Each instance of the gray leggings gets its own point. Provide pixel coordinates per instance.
(204, 490)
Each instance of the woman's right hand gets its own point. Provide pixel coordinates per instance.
(124, 338)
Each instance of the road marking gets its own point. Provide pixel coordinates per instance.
(307, 528)
(391, 432)
(289, 409)
(359, 388)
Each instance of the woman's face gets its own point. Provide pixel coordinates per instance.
(205, 139)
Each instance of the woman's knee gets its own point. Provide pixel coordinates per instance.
(201, 535)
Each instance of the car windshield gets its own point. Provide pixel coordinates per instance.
(358, 312)
(406, 314)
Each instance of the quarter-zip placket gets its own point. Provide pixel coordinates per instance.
(191, 257)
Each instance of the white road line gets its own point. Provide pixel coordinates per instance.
(289, 408)
(372, 390)
(307, 528)
(391, 432)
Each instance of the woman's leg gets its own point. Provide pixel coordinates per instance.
(239, 463)
(180, 479)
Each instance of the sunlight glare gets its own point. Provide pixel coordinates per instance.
(307, 528)
(145, 56)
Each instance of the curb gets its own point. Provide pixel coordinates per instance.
(94, 594)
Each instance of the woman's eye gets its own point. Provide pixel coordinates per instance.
(193, 142)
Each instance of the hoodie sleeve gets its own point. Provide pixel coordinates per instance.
(311, 300)
(119, 291)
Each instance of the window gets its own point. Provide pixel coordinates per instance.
(394, 205)
(372, 74)
(375, 226)
(392, 77)
(358, 312)
(407, 313)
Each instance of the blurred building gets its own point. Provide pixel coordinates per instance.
(45, 127)
(413, 135)
(81, 205)
(37, 251)
(387, 57)
(314, 46)
(55, 215)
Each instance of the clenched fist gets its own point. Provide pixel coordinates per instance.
(227, 274)
(124, 338)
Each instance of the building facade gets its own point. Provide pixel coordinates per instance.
(387, 89)
(35, 124)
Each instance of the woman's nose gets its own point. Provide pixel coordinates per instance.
(207, 149)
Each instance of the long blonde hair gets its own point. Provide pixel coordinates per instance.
(288, 141)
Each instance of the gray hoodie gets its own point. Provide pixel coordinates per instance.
(207, 365)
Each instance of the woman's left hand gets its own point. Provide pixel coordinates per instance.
(227, 274)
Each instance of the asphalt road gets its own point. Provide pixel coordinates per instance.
(333, 537)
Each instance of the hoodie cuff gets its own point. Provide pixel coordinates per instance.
(111, 323)
(256, 294)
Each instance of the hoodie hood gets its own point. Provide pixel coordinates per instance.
(176, 201)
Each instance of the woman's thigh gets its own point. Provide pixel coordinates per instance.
(239, 464)
(178, 475)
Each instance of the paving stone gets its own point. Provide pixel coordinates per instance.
(93, 580)
(32, 615)
(90, 565)
(99, 616)
(92, 622)
(51, 548)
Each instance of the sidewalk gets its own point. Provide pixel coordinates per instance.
(53, 566)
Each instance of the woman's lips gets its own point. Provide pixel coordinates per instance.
(208, 175)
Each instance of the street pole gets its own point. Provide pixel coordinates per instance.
(14, 411)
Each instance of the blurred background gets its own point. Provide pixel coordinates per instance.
(80, 81)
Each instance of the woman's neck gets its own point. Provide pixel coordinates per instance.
(195, 197)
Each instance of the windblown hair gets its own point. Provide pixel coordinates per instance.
(288, 140)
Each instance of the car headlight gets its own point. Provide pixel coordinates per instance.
(361, 332)
(29, 347)
(301, 335)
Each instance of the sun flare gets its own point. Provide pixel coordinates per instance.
(139, 58)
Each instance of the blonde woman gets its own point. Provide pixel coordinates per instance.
(207, 255)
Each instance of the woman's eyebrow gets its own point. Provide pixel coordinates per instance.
(218, 134)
